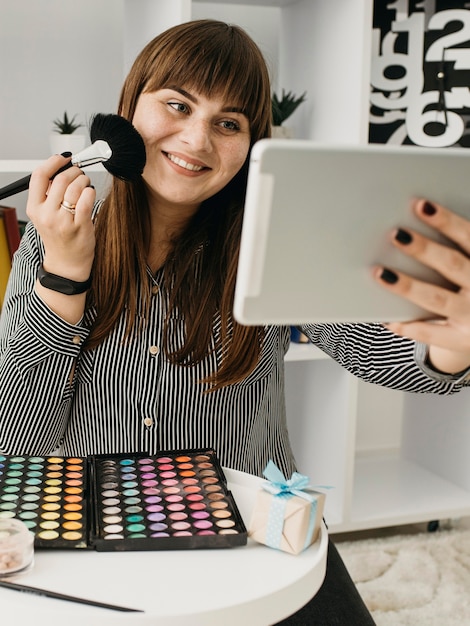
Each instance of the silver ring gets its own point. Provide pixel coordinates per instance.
(70, 208)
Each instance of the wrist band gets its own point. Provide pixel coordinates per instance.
(61, 284)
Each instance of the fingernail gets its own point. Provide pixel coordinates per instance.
(429, 209)
(66, 154)
(403, 236)
(388, 276)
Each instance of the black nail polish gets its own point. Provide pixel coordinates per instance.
(388, 276)
(429, 209)
(403, 236)
(66, 154)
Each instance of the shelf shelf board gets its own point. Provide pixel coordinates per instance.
(389, 490)
(18, 165)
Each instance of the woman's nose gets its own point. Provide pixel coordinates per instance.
(197, 134)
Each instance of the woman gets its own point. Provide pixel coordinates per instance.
(146, 355)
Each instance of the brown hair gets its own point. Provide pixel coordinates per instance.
(212, 58)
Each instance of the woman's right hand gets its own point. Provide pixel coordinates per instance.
(69, 239)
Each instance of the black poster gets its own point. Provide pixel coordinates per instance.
(420, 74)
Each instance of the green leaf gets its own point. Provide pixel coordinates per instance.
(66, 126)
(282, 108)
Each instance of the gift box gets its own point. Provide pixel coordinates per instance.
(287, 514)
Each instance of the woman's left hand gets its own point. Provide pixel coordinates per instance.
(448, 334)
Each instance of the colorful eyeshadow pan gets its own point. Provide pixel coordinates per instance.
(41, 488)
(171, 500)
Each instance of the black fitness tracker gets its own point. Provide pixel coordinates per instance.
(61, 284)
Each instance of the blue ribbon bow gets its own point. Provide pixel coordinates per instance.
(278, 485)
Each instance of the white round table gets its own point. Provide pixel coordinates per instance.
(252, 584)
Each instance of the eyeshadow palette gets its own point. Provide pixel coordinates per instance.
(171, 500)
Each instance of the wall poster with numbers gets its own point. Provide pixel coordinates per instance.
(420, 73)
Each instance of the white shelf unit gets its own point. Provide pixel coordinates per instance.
(426, 477)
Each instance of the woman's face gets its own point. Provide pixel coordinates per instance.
(195, 145)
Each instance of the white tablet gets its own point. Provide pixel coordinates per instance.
(318, 217)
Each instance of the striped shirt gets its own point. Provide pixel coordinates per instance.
(127, 397)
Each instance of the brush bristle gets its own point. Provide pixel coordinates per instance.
(128, 159)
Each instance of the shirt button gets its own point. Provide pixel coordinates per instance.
(148, 421)
(155, 289)
(154, 350)
(76, 339)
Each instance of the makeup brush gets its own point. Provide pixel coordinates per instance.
(115, 143)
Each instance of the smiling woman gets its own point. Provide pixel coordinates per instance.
(150, 357)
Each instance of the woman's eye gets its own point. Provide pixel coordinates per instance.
(179, 106)
(230, 125)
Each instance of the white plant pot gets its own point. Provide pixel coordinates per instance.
(66, 143)
(282, 132)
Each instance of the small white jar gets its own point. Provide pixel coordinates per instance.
(16, 547)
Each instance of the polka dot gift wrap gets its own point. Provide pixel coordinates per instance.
(287, 514)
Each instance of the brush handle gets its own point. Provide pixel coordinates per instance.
(23, 183)
(62, 596)
(20, 185)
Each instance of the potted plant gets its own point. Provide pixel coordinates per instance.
(282, 109)
(63, 138)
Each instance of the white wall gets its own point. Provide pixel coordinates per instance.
(330, 59)
(261, 23)
(55, 55)
(144, 19)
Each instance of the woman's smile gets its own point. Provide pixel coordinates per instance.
(180, 162)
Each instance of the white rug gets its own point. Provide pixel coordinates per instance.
(413, 580)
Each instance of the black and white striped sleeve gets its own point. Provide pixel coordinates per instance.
(37, 353)
(373, 353)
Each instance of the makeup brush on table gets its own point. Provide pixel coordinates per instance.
(115, 143)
